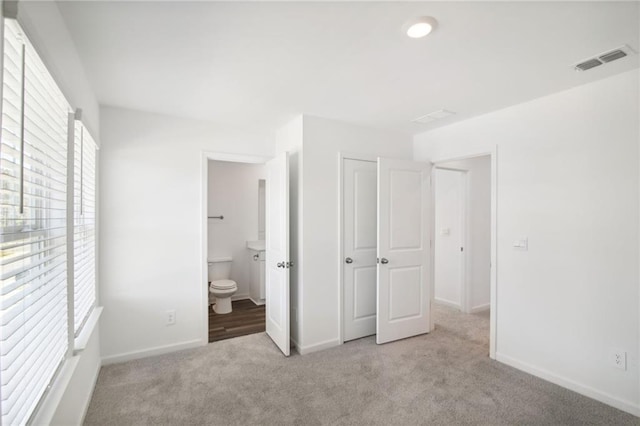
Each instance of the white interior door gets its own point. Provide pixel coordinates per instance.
(277, 262)
(449, 194)
(404, 291)
(359, 248)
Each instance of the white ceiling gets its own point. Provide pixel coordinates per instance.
(256, 64)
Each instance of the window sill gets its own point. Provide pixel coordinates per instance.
(80, 342)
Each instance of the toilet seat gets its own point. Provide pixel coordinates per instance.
(223, 284)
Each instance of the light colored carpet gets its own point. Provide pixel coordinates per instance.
(445, 377)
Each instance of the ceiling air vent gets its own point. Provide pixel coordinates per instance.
(604, 58)
(433, 116)
(587, 65)
(612, 56)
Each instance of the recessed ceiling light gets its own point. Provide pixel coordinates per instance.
(421, 27)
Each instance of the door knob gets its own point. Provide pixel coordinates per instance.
(280, 265)
(348, 260)
(384, 261)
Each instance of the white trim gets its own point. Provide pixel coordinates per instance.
(354, 156)
(480, 308)
(158, 350)
(588, 391)
(257, 303)
(234, 298)
(80, 342)
(204, 226)
(44, 414)
(493, 313)
(244, 296)
(448, 303)
(493, 316)
(235, 158)
(341, 157)
(70, 244)
(305, 350)
(89, 396)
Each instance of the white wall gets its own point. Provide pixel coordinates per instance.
(567, 178)
(478, 223)
(323, 140)
(152, 237)
(289, 138)
(233, 192)
(448, 237)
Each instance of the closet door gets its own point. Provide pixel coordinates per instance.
(404, 253)
(277, 262)
(359, 247)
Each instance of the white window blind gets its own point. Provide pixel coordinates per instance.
(33, 275)
(84, 225)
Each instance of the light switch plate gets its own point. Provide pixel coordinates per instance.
(521, 244)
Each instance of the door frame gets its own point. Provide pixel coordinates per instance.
(341, 157)
(464, 234)
(204, 225)
(493, 314)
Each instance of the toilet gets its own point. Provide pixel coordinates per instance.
(220, 286)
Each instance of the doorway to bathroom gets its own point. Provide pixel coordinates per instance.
(236, 204)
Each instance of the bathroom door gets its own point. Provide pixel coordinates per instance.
(404, 252)
(277, 262)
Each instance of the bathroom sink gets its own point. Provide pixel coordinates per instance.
(256, 245)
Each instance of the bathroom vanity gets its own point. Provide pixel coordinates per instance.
(257, 272)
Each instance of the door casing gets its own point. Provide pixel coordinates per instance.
(204, 226)
(494, 155)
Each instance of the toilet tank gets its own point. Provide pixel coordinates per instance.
(220, 268)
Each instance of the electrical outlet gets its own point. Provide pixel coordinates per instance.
(618, 358)
(171, 317)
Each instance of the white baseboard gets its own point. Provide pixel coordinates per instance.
(588, 391)
(304, 350)
(447, 303)
(234, 298)
(158, 350)
(259, 303)
(244, 296)
(480, 308)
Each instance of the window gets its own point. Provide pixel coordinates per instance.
(84, 222)
(42, 224)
